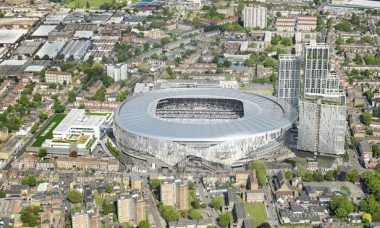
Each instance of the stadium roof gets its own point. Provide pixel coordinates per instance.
(262, 114)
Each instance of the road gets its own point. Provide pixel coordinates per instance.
(270, 207)
(151, 206)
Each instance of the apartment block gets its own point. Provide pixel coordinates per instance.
(174, 194)
(254, 16)
(321, 127)
(131, 209)
(117, 71)
(58, 77)
(80, 219)
(289, 76)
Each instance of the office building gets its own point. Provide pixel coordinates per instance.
(80, 219)
(289, 76)
(174, 194)
(117, 71)
(254, 16)
(321, 127)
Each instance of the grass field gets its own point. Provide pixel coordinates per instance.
(47, 131)
(98, 200)
(256, 212)
(82, 3)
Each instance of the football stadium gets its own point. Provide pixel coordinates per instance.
(216, 125)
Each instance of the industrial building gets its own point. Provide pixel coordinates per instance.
(75, 48)
(51, 49)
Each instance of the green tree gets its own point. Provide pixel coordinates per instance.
(170, 214)
(2, 195)
(108, 207)
(29, 216)
(261, 171)
(225, 219)
(318, 176)
(370, 205)
(72, 96)
(367, 118)
(34, 128)
(143, 224)
(353, 175)
(42, 153)
(278, 14)
(354, 142)
(329, 175)
(109, 189)
(37, 97)
(341, 206)
(195, 214)
(216, 203)
(156, 184)
(32, 181)
(74, 196)
(288, 174)
(87, 5)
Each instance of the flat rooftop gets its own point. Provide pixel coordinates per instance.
(78, 117)
(8, 36)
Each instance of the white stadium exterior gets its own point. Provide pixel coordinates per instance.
(218, 125)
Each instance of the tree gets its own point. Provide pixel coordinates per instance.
(353, 175)
(74, 196)
(367, 118)
(109, 189)
(265, 225)
(225, 219)
(278, 14)
(367, 218)
(72, 96)
(318, 176)
(37, 97)
(108, 207)
(341, 206)
(46, 57)
(34, 128)
(288, 174)
(358, 59)
(329, 175)
(261, 171)
(2, 195)
(195, 214)
(32, 181)
(29, 216)
(370, 205)
(170, 214)
(155, 184)
(87, 5)
(42, 153)
(354, 142)
(191, 185)
(143, 224)
(217, 203)
(74, 154)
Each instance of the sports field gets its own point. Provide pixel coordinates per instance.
(47, 131)
(82, 3)
(256, 212)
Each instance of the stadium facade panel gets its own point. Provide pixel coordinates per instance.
(217, 125)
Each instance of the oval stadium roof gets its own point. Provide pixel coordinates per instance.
(262, 114)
